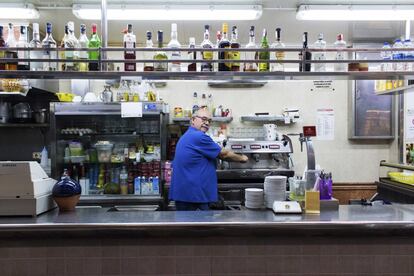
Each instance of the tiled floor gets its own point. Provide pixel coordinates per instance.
(200, 256)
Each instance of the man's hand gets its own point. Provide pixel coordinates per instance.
(244, 158)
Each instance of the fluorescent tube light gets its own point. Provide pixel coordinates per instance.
(170, 12)
(18, 11)
(356, 12)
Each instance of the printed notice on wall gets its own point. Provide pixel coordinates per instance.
(325, 124)
(409, 125)
(322, 85)
(131, 110)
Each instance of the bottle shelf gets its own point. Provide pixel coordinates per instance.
(265, 118)
(214, 119)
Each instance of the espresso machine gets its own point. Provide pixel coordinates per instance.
(265, 158)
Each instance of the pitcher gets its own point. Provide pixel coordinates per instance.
(106, 95)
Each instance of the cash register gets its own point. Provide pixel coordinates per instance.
(25, 189)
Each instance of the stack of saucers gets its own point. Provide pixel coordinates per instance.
(254, 198)
(274, 189)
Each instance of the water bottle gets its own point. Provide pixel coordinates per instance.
(408, 66)
(155, 185)
(137, 185)
(340, 43)
(398, 55)
(320, 44)
(386, 55)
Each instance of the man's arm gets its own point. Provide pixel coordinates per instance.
(228, 155)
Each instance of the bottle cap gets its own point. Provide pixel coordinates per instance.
(320, 37)
(23, 29)
(93, 28)
(225, 28)
(173, 27)
(71, 26)
(206, 27)
(82, 28)
(340, 37)
(129, 28)
(149, 35)
(192, 40)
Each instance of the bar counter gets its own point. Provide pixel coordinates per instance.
(377, 219)
(356, 240)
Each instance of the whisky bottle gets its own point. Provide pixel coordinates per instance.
(148, 66)
(234, 55)
(279, 53)
(174, 66)
(192, 67)
(22, 43)
(94, 42)
(160, 55)
(11, 43)
(83, 43)
(251, 66)
(224, 44)
(207, 55)
(35, 43)
(129, 42)
(308, 55)
(265, 55)
(49, 44)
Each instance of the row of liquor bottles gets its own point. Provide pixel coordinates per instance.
(91, 57)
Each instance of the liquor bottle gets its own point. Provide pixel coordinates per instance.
(123, 181)
(279, 53)
(320, 44)
(340, 44)
(49, 44)
(307, 53)
(251, 66)
(224, 44)
(24, 54)
(192, 67)
(175, 44)
(71, 42)
(83, 43)
(160, 55)
(11, 43)
(62, 54)
(94, 42)
(217, 54)
(195, 106)
(2, 45)
(234, 55)
(129, 42)
(35, 43)
(207, 55)
(203, 104)
(148, 66)
(265, 55)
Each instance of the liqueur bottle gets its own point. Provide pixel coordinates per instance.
(35, 43)
(340, 44)
(148, 66)
(83, 43)
(224, 44)
(49, 44)
(207, 66)
(308, 55)
(11, 43)
(2, 45)
(265, 55)
(24, 54)
(175, 44)
(192, 67)
(320, 44)
(94, 42)
(279, 53)
(160, 55)
(234, 55)
(71, 42)
(251, 66)
(129, 42)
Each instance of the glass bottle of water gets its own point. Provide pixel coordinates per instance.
(320, 44)
(408, 66)
(35, 43)
(339, 44)
(49, 44)
(398, 55)
(386, 55)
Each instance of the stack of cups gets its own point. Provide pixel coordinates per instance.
(274, 189)
(254, 198)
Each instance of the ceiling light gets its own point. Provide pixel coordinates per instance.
(170, 12)
(18, 11)
(356, 12)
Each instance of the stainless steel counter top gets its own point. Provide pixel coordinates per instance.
(352, 218)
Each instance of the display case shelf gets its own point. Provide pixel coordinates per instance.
(214, 119)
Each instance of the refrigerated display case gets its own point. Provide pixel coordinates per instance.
(116, 159)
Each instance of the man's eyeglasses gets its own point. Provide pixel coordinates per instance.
(204, 119)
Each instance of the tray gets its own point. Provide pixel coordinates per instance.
(401, 177)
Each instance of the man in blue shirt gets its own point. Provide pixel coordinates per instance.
(194, 179)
